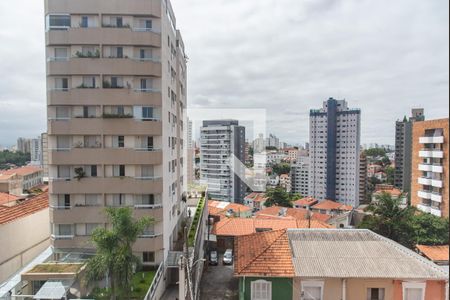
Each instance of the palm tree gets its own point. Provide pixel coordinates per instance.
(114, 257)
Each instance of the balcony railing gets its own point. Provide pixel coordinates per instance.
(148, 206)
(63, 236)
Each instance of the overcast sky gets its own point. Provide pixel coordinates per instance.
(285, 56)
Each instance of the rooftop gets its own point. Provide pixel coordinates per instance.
(24, 208)
(306, 201)
(294, 213)
(434, 253)
(222, 207)
(256, 197)
(23, 171)
(332, 205)
(5, 198)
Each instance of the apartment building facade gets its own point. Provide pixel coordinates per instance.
(403, 149)
(334, 146)
(300, 176)
(363, 182)
(221, 142)
(116, 103)
(430, 172)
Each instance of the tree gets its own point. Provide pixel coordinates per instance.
(279, 197)
(282, 168)
(406, 226)
(390, 175)
(385, 161)
(16, 158)
(375, 152)
(114, 257)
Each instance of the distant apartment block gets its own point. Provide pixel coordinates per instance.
(403, 149)
(21, 179)
(430, 171)
(23, 145)
(36, 151)
(335, 132)
(300, 176)
(116, 79)
(221, 141)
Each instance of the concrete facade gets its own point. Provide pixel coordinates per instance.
(430, 171)
(116, 81)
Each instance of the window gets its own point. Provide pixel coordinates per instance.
(148, 257)
(147, 113)
(58, 22)
(118, 141)
(89, 111)
(62, 112)
(119, 171)
(61, 54)
(414, 290)
(90, 227)
(118, 200)
(148, 199)
(93, 171)
(64, 229)
(312, 290)
(116, 82)
(375, 294)
(84, 22)
(61, 84)
(88, 82)
(91, 200)
(261, 290)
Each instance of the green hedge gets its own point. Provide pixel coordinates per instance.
(194, 225)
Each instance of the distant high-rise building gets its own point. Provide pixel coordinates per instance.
(334, 152)
(430, 167)
(221, 141)
(363, 166)
(259, 144)
(403, 149)
(36, 151)
(23, 145)
(273, 141)
(116, 78)
(300, 176)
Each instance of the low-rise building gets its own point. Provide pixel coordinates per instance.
(372, 169)
(331, 208)
(290, 213)
(305, 203)
(438, 254)
(24, 231)
(255, 201)
(221, 209)
(391, 190)
(285, 182)
(30, 176)
(11, 184)
(333, 264)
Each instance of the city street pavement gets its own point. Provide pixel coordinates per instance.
(218, 283)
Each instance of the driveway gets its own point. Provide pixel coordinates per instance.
(218, 283)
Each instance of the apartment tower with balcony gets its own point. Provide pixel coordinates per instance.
(116, 103)
(430, 171)
(300, 176)
(334, 151)
(222, 142)
(403, 149)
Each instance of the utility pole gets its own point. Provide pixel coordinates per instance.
(182, 279)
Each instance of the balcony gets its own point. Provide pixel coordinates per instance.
(431, 140)
(436, 168)
(105, 36)
(424, 194)
(95, 126)
(75, 242)
(437, 183)
(89, 214)
(431, 153)
(130, 7)
(155, 243)
(110, 66)
(111, 96)
(435, 211)
(424, 208)
(425, 181)
(106, 156)
(107, 185)
(436, 197)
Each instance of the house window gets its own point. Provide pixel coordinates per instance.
(84, 22)
(375, 294)
(414, 290)
(94, 171)
(119, 171)
(312, 290)
(261, 290)
(148, 257)
(147, 113)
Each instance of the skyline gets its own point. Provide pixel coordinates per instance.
(377, 64)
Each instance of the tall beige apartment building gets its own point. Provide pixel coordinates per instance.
(430, 170)
(116, 80)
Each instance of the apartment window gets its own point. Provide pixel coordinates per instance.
(58, 22)
(88, 81)
(261, 290)
(312, 290)
(60, 54)
(91, 200)
(89, 111)
(118, 141)
(62, 112)
(116, 82)
(62, 84)
(119, 171)
(148, 257)
(88, 51)
(375, 294)
(91, 141)
(64, 172)
(147, 171)
(148, 199)
(118, 21)
(147, 113)
(90, 227)
(93, 171)
(64, 229)
(118, 200)
(149, 231)
(84, 22)
(414, 290)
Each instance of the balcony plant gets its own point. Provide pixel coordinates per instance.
(79, 173)
(117, 116)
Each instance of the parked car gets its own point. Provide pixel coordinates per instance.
(213, 258)
(228, 257)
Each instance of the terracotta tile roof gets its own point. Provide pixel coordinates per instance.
(23, 171)
(263, 254)
(331, 205)
(295, 213)
(380, 188)
(256, 197)
(218, 208)
(308, 201)
(23, 209)
(434, 253)
(5, 176)
(5, 198)
(245, 226)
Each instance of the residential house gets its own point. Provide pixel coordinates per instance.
(290, 213)
(30, 176)
(305, 203)
(221, 209)
(372, 169)
(331, 207)
(438, 254)
(333, 264)
(391, 190)
(255, 201)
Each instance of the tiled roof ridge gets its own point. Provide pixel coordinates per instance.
(282, 232)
